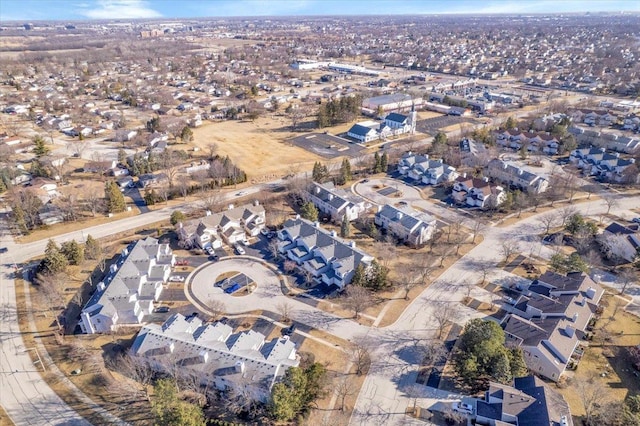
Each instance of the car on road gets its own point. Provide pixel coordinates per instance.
(3, 249)
(634, 220)
(182, 262)
(176, 278)
(241, 193)
(213, 258)
(161, 309)
(289, 330)
(239, 249)
(402, 203)
(461, 407)
(365, 180)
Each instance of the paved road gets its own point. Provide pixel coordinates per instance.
(24, 395)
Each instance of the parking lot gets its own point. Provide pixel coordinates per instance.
(432, 125)
(326, 145)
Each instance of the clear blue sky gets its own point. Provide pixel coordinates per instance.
(33, 10)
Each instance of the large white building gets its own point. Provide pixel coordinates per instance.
(320, 252)
(130, 289)
(516, 176)
(243, 362)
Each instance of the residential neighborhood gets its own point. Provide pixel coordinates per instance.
(320, 213)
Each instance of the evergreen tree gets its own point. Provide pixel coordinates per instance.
(73, 251)
(359, 276)
(3, 186)
(309, 211)
(19, 217)
(345, 171)
(345, 228)
(176, 217)
(40, 148)
(92, 248)
(384, 162)
(54, 261)
(115, 199)
(376, 163)
(187, 134)
(320, 172)
(511, 123)
(122, 157)
(150, 197)
(168, 409)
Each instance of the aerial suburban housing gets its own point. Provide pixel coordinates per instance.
(130, 289)
(422, 169)
(327, 257)
(243, 362)
(228, 226)
(408, 226)
(620, 242)
(477, 192)
(336, 203)
(516, 177)
(550, 318)
(598, 162)
(529, 402)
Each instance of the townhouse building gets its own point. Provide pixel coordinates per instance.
(328, 258)
(550, 318)
(477, 192)
(229, 226)
(129, 291)
(422, 169)
(336, 203)
(411, 227)
(516, 176)
(602, 164)
(534, 141)
(243, 362)
(620, 242)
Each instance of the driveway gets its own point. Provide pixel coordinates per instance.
(410, 194)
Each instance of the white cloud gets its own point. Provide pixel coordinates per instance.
(121, 9)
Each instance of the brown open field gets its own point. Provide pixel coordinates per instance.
(256, 147)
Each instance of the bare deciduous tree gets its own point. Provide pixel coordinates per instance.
(137, 369)
(477, 227)
(443, 314)
(344, 389)
(360, 356)
(50, 294)
(216, 307)
(509, 247)
(284, 309)
(548, 221)
(358, 299)
(611, 201)
(591, 393)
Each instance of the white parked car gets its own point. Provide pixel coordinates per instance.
(461, 407)
(176, 279)
(241, 193)
(210, 251)
(239, 249)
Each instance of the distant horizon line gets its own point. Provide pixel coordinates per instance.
(608, 12)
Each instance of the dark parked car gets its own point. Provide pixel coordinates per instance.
(161, 309)
(289, 330)
(3, 249)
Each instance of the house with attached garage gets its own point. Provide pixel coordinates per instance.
(516, 176)
(229, 226)
(321, 253)
(409, 226)
(335, 202)
(422, 169)
(242, 362)
(130, 289)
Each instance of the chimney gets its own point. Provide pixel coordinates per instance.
(172, 347)
(398, 215)
(256, 203)
(297, 216)
(591, 292)
(230, 207)
(207, 213)
(317, 189)
(464, 175)
(570, 331)
(316, 224)
(239, 367)
(485, 179)
(333, 233)
(352, 244)
(204, 356)
(575, 317)
(330, 196)
(101, 286)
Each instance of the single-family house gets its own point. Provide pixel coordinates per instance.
(321, 253)
(241, 362)
(129, 291)
(229, 226)
(411, 227)
(151, 179)
(516, 176)
(336, 203)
